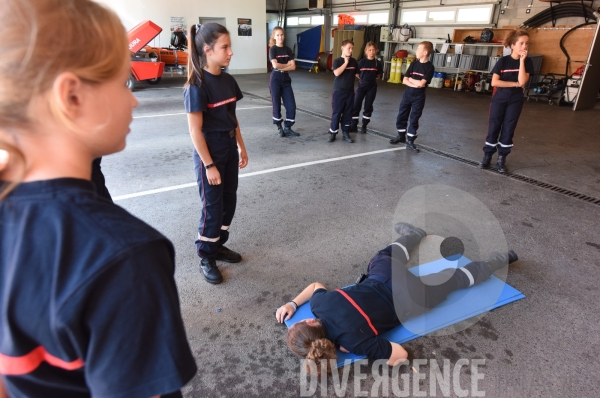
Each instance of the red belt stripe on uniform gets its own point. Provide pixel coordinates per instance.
(16, 366)
(359, 310)
(232, 99)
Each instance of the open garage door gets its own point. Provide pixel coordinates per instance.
(590, 81)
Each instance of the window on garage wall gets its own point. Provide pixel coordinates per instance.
(449, 15)
(317, 20)
(374, 18)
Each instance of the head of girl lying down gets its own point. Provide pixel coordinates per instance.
(307, 339)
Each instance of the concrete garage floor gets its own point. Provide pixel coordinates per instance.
(323, 222)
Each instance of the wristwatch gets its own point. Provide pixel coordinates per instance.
(208, 166)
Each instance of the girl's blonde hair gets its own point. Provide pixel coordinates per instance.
(39, 40)
(272, 40)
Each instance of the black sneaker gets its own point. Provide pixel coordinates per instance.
(227, 255)
(331, 137)
(353, 128)
(363, 129)
(209, 269)
(281, 132)
(290, 133)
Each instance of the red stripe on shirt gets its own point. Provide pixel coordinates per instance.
(282, 56)
(509, 70)
(359, 310)
(350, 67)
(227, 101)
(368, 69)
(417, 73)
(16, 366)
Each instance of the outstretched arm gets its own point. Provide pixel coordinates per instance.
(288, 309)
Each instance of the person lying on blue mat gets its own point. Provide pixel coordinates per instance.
(352, 318)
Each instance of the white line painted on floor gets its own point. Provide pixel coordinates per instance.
(255, 173)
(183, 113)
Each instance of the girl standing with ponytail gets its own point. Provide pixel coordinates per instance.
(510, 74)
(89, 305)
(210, 97)
(280, 84)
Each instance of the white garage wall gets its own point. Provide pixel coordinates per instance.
(249, 55)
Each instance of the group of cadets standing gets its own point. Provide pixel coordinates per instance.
(509, 76)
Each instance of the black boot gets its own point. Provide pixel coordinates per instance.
(346, 137)
(410, 144)
(228, 255)
(289, 132)
(209, 269)
(353, 128)
(501, 164)
(500, 260)
(403, 228)
(281, 133)
(400, 139)
(363, 129)
(485, 163)
(331, 137)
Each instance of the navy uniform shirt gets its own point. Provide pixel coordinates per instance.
(216, 96)
(508, 68)
(89, 301)
(345, 81)
(420, 70)
(282, 54)
(345, 326)
(368, 71)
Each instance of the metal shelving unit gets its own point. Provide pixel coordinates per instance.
(488, 48)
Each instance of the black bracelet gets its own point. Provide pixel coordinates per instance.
(295, 303)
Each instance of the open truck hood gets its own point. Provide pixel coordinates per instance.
(142, 34)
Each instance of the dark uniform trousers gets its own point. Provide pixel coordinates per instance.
(366, 93)
(280, 86)
(413, 102)
(218, 201)
(413, 295)
(342, 103)
(505, 110)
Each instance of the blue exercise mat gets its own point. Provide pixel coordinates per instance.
(458, 306)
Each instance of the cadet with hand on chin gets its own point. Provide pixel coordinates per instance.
(344, 69)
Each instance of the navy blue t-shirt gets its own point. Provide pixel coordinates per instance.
(419, 71)
(89, 302)
(345, 326)
(216, 96)
(368, 71)
(282, 54)
(345, 81)
(508, 68)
